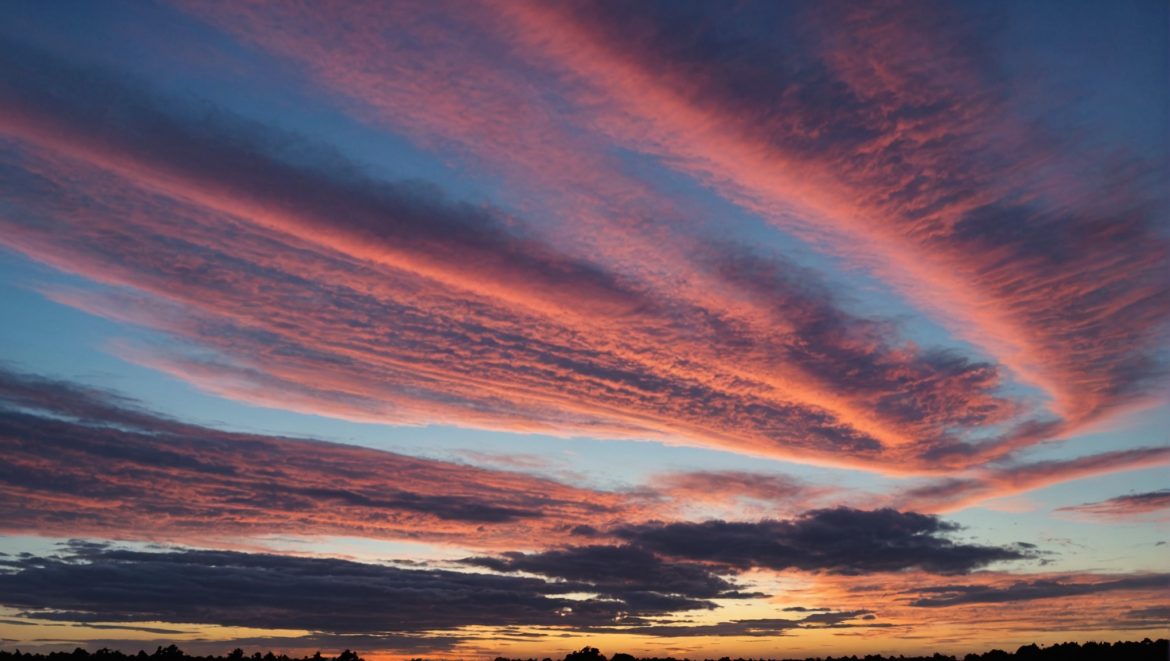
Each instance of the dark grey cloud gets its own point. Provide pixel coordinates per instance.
(626, 572)
(804, 609)
(1127, 505)
(100, 586)
(762, 627)
(127, 627)
(270, 591)
(1151, 615)
(757, 628)
(838, 618)
(956, 595)
(839, 541)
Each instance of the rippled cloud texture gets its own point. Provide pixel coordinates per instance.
(499, 328)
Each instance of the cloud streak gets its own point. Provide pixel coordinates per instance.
(994, 482)
(955, 595)
(1127, 506)
(122, 473)
(634, 574)
(872, 239)
(838, 541)
(890, 135)
(450, 301)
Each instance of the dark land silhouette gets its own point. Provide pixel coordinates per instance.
(1144, 650)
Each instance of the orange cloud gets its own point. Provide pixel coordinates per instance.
(120, 473)
(980, 485)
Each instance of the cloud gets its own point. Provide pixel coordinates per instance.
(839, 541)
(124, 473)
(892, 135)
(280, 592)
(955, 595)
(387, 301)
(1130, 505)
(124, 627)
(90, 583)
(289, 184)
(1005, 480)
(927, 389)
(1152, 615)
(118, 471)
(757, 627)
(632, 574)
(737, 494)
(590, 296)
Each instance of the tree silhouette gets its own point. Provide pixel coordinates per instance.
(585, 654)
(1145, 650)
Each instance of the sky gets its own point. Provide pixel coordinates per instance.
(457, 330)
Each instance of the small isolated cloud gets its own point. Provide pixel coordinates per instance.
(1128, 506)
(758, 627)
(956, 595)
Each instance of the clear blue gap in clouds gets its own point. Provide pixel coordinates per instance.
(1115, 49)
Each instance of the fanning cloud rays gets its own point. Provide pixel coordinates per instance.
(432, 278)
(765, 329)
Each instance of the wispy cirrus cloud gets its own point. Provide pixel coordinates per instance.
(859, 236)
(1005, 480)
(705, 494)
(466, 314)
(897, 393)
(122, 473)
(890, 134)
(1150, 503)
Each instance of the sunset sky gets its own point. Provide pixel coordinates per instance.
(464, 329)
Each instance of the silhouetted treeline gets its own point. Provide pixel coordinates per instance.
(169, 653)
(1145, 650)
